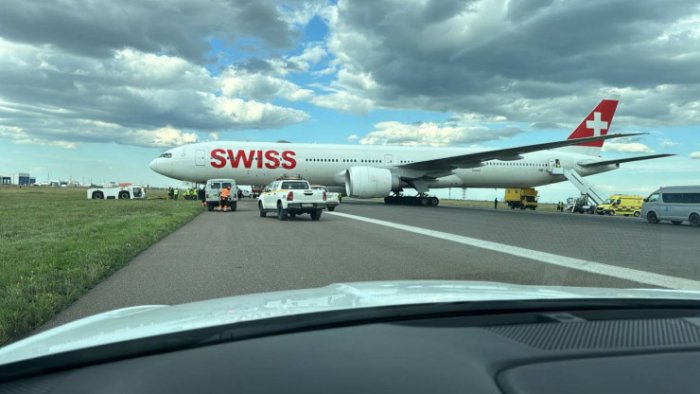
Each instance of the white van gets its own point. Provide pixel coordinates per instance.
(675, 203)
(212, 190)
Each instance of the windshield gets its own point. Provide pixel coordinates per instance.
(488, 142)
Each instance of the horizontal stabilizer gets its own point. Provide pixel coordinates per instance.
(625, 160)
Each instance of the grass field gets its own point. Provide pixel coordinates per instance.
(55, 245)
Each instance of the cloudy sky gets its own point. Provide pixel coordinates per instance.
(95, 89)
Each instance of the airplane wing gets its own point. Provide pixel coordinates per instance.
(625, 160)
(471, 160)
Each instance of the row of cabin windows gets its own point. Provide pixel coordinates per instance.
(488, 163)
(343, 161)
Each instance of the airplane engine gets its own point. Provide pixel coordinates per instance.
(370, 182)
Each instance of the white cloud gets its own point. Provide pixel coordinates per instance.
(344, 102)
(695, 155)
(431, 134)
(352, 138)
(667, 143)
(260, 87)
(626, 147)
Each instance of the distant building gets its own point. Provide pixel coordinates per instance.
(24, 179)
(5, 180)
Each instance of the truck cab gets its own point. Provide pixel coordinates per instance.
(521, 198)
(212, 193)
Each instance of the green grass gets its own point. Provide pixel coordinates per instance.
(55, 245)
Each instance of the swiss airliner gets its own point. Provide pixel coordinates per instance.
(384, 171)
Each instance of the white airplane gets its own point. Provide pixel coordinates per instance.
(384, 171)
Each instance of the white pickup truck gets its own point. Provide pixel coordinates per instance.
(332, 199)
(291, 197)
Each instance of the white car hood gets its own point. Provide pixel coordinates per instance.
(150, 320)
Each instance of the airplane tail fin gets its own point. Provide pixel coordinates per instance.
(596, 123)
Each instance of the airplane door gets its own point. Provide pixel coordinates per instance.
(388, 159)
(555, 167)
(200, 158)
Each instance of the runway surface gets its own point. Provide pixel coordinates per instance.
(223, 254)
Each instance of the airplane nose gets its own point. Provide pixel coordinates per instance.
(154, 165)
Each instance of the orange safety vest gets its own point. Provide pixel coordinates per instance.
(225, 193)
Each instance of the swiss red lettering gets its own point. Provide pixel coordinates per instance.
(240, 158)
(260, 158)
(235, 161)
(218, 158)
(273, 161)
(289, 161)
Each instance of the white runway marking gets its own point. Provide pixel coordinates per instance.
(645, 277)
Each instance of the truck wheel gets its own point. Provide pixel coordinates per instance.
(652, 218)
(331, 209)
(636, 214)
(694, 220)
(123, 195)
(98, 195)
(315, 215)
(281, 213)
(262, 211)
(611, 213)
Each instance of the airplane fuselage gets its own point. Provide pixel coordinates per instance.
(258, 163)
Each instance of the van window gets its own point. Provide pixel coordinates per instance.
(653, 197)
(227, 184)
(215, 185)
(683, 198)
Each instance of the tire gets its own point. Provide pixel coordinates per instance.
(123, 195)
(694, 219)
(434, 201)
(652, 218)
(281, 213)
(234, 206)
(611, 212)
(676, 222)
(636, 214)
(331, 209)
(292, 215)
(316, 215)
(98, 195)
(262, 211)
(210, 206)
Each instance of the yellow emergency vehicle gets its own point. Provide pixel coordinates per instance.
(619, 204)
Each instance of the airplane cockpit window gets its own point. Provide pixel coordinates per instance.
(166, 155)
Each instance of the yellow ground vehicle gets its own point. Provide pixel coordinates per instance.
(619, 204)
(521, 198)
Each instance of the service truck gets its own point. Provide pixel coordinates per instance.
(521, 198)
(289, 197)
(620, 204)
(332, 199)
(212, 193)
(121, 192)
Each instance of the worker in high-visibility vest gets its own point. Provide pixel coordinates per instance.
(223, 198)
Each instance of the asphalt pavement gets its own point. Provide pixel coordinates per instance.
(223, 254)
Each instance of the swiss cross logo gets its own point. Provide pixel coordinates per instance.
(596, 124)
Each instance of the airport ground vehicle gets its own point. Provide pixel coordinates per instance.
(256, 191)
(291, 196)
(121, 193)
(675, 204)
(332, 199)
(619, 204)
(582, 204)
(212, 191)
(246, 191)
(521, 198)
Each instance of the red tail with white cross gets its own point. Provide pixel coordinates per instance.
(596, 123)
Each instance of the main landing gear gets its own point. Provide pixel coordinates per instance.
(421, 199)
